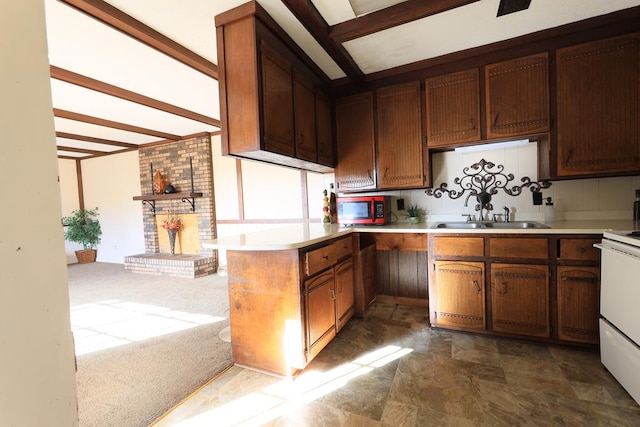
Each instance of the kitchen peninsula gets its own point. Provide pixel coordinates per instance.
(292, 289)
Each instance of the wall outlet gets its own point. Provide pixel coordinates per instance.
(401, 204)
(537, 198)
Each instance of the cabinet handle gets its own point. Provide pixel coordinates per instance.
(477, 286)
(495, 120)
(582, 249)
(333, 294)
(386, 171)
(503, 290)
(369, 173)
(325, 257)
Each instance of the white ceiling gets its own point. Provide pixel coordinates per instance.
(86, 46)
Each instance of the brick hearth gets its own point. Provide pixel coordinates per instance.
(187, 266)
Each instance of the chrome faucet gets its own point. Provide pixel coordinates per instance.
(506, 214)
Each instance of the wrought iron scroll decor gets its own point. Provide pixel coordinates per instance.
(483, 180)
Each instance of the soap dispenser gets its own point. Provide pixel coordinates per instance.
(549, 211)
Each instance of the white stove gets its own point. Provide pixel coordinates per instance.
(619, 299)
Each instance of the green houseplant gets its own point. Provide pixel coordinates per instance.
(83, 227)
(413, 213)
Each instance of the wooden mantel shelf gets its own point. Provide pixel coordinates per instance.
(150, 199)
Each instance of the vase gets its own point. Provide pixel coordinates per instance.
(172, 240)
(159, 183)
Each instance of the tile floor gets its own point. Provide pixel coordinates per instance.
(391, 369)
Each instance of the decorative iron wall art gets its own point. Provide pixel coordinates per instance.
(483, 180)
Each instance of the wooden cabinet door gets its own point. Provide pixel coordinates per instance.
(400, 161)
(355, 168)
(365, 278)
(277, 102)
(453, 108)
(460, 295)
(344, 292)
(597, 101)
(578, 304)
(517, 97)
(320, 312)
(520, 299)
(324, 129)
(305, 119)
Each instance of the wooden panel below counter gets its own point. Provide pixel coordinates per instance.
(402, 268)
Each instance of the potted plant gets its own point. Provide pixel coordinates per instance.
(83, 227)
(413, 213)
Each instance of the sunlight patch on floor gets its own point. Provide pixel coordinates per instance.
(259, 407)
(111, 323)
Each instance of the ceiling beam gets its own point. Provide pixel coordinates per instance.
(115, 18)
(398, 14)
(70, 115)
(85, 138)
(79, 150)
(106, 88)
(311, 19)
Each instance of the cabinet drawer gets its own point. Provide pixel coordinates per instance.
(319, 259)
(343, 247)
(401, 241)
(458, 246)
(579, 249)
(518, 247)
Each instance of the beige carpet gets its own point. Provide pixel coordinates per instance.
(144, 342)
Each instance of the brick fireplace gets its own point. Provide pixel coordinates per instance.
(187, 166)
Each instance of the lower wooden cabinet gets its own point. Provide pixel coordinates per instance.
(460, 294)
(365, 259)
(320, 314)
(546, 287)
(285, 306)
(344, 293)
(520, 299)
(578, 303)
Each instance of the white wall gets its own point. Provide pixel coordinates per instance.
(109, 183)
(68, 186)
(37, 379)
(601, 198)
(270, 193)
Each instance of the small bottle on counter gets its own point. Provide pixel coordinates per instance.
(549, 211)
(636, 211)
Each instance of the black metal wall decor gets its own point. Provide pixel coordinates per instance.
(483, 180)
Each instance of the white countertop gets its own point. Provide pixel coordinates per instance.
(296, 236)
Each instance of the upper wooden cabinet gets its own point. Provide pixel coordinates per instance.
(277, 101)
(453, 108)
(355, 169)
(271, 94)
(598, 112)
(517, 97)
(400, 157)
(324, 129)
(394, 126)
(305, 119)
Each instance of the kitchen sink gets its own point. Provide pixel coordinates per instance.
(490, 224)
(459, 225)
